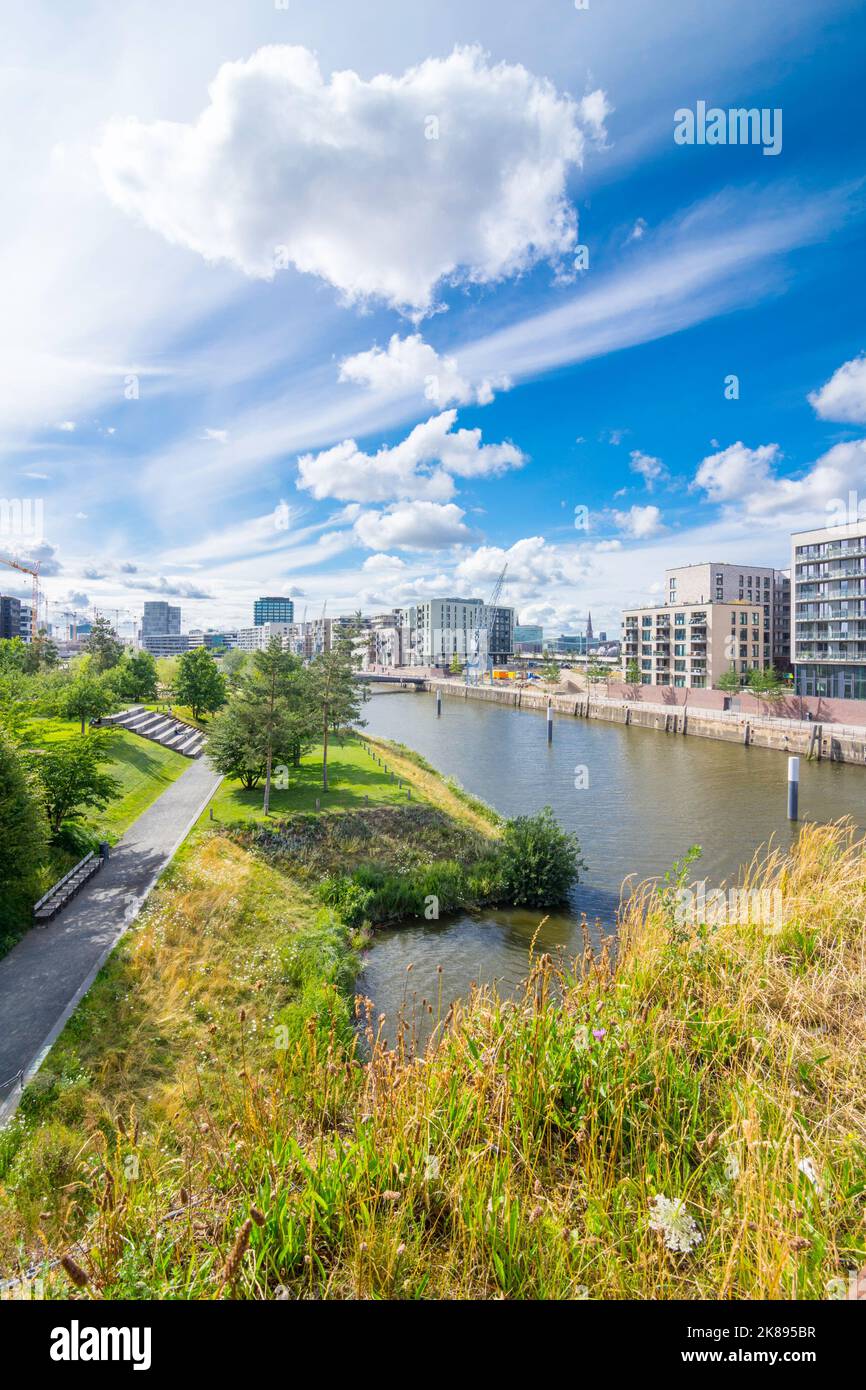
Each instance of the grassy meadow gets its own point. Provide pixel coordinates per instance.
(355, 780)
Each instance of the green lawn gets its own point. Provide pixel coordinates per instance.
(355, 780)
(142, 768)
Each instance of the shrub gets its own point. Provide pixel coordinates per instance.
(540, 861)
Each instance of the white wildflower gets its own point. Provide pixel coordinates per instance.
(807, 1168)
(837, 1288)
(732, 1166)
(672, 1218)
(581, 1038)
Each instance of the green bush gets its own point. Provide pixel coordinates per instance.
(540, 861)
(76, 839)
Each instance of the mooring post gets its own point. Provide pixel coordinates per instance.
(549, 720)
(793, 787)
(438, 704)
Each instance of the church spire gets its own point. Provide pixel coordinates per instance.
(589, 632)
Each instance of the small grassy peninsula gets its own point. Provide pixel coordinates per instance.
(686, 1121)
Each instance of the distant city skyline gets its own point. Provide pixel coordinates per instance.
(223, 381)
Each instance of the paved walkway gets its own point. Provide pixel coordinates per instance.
(49, 971)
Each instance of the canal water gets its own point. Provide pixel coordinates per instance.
(637, 800)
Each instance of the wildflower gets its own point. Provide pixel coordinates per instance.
(599, 1033)
(581, 1038)
(732, 1166)
(672, 1219)
(807, 1168)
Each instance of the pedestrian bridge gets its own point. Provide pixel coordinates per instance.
(417, 682)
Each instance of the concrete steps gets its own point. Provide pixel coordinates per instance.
(160, 728)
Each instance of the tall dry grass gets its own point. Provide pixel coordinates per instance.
(523, 1152)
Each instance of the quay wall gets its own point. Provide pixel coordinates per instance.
(834, 742)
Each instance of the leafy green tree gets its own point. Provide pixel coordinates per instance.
(632, 671)
(23, 836)
(135, 677)
(199, 682)
(234, 663)
(88, 697)
(456, 666)
(269, 719)
(13, 654)
(729, 680)
(550, 671)
(40, 654)
(236, 745)
(596, 671)
(103, 645)
(540, 861)
(766, 684)
(71, 779)
(337, 696)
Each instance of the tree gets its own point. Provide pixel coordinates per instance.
(540, 861)
(235, 744)
(597, 671)
(550, 671)
(456, 667)
(632, 671)
(199, 682)
(40, 654)
(70, 777)
(336, 694)
(135, 677)
(88, 697)
(22, 835)
(729, 680)
(234, 662)
(766, 684)
(103, 645)
(270, 718)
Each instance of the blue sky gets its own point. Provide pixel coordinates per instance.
(271, 330)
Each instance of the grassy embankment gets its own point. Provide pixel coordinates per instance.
(143, 770)
(204, 1128)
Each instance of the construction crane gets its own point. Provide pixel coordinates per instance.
(33, 571)
(485, 620)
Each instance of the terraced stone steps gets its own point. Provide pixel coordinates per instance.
(160, 728)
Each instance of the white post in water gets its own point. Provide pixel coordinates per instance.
(549, 722)
(438, 704)
(793, 787)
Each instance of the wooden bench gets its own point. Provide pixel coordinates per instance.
(64, 889)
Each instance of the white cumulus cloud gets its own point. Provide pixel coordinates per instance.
(416, 525)
(745, 479)
(409, 364)
(454, 170)
(843, 397)
(652, 470)
(420, 466)
(640, 522)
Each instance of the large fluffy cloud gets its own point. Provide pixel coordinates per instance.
(843, 397)
(455, 170)
(420, 466)
(413, 526)
(409, 365)
(745, 479)
(640, 522)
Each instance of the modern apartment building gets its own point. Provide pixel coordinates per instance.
(10, 617)
(437, 630)
(255, 639)
(309, 639)
(723, 583)
(828, 575)
(160, 630)
(691, 644)
(273, 610)
(385, 639)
